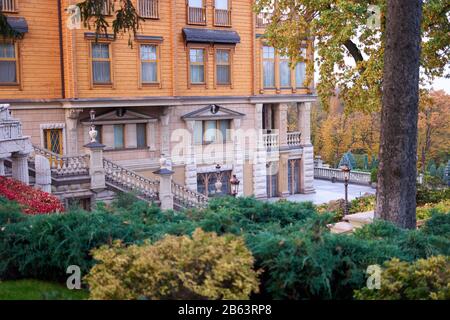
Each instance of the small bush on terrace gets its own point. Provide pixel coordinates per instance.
(205, 266)
(422, 280)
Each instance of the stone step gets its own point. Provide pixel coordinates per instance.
(341, 227)
(360, 219)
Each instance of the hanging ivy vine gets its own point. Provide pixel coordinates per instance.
(94, 16)
(126, 19)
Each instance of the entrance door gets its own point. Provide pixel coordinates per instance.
(53, 141)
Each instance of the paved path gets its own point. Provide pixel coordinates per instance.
(327, 191)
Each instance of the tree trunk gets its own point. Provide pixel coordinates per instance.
(396, 196)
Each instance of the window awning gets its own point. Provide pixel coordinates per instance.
(211, 36)
(18, 24)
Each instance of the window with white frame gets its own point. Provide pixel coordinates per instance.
(8, 63)
(149, 63)
(269, 67)
(197, 65)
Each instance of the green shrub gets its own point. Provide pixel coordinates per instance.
(44, 246)
(374, 175)
(10, 212)
(427, 195)
(427, 210)
(205, 266)
(423, 279)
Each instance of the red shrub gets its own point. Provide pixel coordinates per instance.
(32, 201)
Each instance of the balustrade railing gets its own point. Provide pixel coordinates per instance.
(196, 15)
(8, 5)
(187, 198)
(64, 165)
(222, 17)
(10, 130)
(130, 180)
(294, 139)
(149, 9)
(270, 141)
(337, 174)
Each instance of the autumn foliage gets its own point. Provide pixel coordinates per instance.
(32, 201)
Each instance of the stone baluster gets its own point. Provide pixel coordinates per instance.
(20, 167)
(43, 174)
(2, 167)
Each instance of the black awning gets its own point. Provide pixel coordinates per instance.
(18, 24)
(211, 36)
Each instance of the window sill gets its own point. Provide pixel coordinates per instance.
(128, 149)
(150, 84)
(102, 85)
(9, 85)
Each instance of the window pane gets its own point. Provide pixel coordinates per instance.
(101, 71)
(268, 52)
(223, 74)
(269, 74)
(197, 74)
(198, 132)
(223, 56)
(141, 135)
(8, 71)
(196, 55)
(7, 50)
(100, 50)
(119, 136)
(149, 72)
(285, 74)
(148, 52)
(196, 3)
(99, 134)
(210, 131)
(224, 129)
(222, 4)
(300, 73)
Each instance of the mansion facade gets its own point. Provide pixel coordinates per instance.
(198, 85)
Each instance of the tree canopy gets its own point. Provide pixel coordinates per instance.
(349, 46)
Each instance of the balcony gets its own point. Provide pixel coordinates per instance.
(294, 139)
(196, 15)
(270, 140)
(265, 18)
(149, 9)
(222, 18)
(8, 5)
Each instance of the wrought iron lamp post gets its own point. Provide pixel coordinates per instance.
(234, 181)
(346, 170)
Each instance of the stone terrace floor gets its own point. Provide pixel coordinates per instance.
(327, 191)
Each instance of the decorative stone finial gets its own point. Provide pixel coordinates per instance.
(93, 134)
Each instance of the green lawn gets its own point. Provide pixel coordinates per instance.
(38, 290)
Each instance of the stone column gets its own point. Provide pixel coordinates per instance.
(96, 169)
(165, 132)
(190, 170)
(283, 183)
(307, 162)
(304, 122)
(259, 157)
(281, 124)
(165, 188)
(2, 167)
(20, 167)
(72, 131)
(238, 156)
(43, 174)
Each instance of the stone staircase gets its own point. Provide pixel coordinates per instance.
(351, 222)
(118, 179)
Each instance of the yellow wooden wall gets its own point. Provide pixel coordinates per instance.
(38, 53)
(40, 61)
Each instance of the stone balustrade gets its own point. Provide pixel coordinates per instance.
(270, 141)
(186, 198)
(10, 130)
(356, 177)
(294, 139)
(64, 165)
